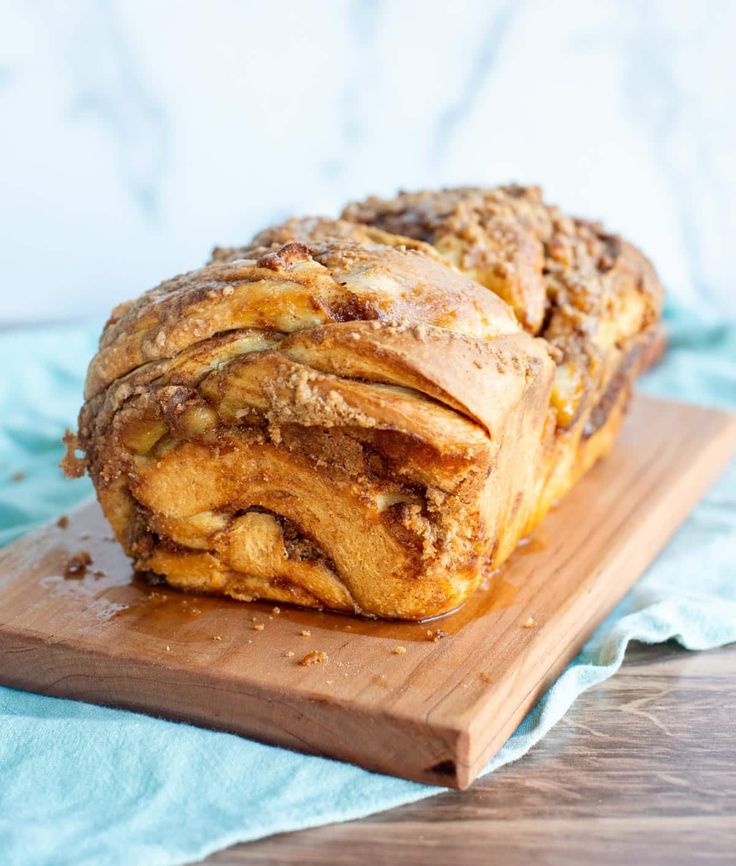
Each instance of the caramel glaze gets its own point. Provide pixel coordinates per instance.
(340, 415)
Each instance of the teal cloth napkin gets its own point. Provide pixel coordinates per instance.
(86, 786)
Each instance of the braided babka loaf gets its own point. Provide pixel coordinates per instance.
(365, 414)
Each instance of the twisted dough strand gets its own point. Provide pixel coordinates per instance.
(341, 413)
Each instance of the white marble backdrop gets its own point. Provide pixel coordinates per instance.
(135, 134)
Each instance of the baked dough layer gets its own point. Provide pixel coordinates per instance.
(341, 414)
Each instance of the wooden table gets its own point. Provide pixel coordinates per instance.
(641, 771)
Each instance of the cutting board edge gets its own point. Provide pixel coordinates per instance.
(384, 724)
(462, 750)
(708, 466)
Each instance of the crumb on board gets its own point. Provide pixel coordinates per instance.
(289, 654)
(305, 632)
(530, 622)
(399, 650)
(435, 634)
(168, 648)
(276, 610)
(259, 626)
(314, 657)
(486, 677)
(63, 522)
(216, 637)
(76, 566)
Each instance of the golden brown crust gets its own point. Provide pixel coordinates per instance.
(290, 288)
(594, 298)
(307, 230)
(323, 425)
(492, 235)
(338, 415)
(541, 261)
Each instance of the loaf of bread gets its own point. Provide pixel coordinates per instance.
(365, 414)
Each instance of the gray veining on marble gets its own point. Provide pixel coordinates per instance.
(136, 134)
(482, 61)
(108, 89)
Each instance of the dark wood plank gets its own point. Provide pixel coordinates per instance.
(641, 771)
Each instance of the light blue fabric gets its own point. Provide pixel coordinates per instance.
(85, 786)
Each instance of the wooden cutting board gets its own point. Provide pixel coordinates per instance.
(392, 697)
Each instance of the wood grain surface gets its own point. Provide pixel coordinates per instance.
(386, 696)
(640, 772)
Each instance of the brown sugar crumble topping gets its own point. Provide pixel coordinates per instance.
(511, 334)
(315, 657)
(72, 463)
(76, 566)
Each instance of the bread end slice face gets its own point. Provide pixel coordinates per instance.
(346, 426)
